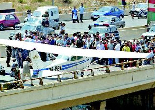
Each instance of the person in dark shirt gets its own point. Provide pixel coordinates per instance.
(123, 3)
(52, 41)
(45, 24)
(46, 14)
(8, 52)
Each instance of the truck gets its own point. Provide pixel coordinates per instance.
(53, 15)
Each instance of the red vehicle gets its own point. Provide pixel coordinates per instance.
(8, 20)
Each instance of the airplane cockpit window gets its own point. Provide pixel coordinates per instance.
(73, 58)
(79, 57)
(63, 57)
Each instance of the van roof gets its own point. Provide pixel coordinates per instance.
(46, 7)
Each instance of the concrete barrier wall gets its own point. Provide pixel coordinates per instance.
(72, 90)
(5, 5)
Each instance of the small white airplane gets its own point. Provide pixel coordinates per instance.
(69, 59)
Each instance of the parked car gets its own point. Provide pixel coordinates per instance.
(8, 20)
(31, 27)
(107, 11)
(139, 7)
(105, 31)
(111, 20)
(150, 33)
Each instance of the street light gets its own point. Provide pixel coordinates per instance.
(52, 2)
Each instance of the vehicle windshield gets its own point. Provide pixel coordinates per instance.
(63, 57)
(104, 9)
(34, 20)
(2, 17)
(152, 29)
(103, 19)
(93, 30)
(142, 6)
(37, 14)
(28, 27)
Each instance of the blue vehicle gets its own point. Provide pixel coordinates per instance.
(107, 11)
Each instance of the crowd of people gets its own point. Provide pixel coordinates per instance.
(79, 40)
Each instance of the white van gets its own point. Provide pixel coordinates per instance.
(53, 15)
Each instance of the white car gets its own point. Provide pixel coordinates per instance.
(53, 24)
(105, 31)
(111, 20)
(150, 34)
(31, 27)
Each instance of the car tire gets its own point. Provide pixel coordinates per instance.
(54, 28)
(15, 25)
(122, 26)
(1, 27)
(121, 16)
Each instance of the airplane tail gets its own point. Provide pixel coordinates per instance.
(37, 63)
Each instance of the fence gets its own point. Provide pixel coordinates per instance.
(138, 63)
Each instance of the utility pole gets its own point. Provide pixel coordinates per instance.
(52, 2)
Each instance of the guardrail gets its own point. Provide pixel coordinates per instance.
(138, 63)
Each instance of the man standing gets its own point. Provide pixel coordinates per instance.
(133, 9)
(45, 24)
(123, 3)
(28, 15)
(117, 48)
(26, 70)
(74, 15)
(100, 46)
(126, 48)
(62, 30)
(110, 47)
(9, 53)
(81, 9)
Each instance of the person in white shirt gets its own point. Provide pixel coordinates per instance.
(117, 48)
(28, 15)
(133, 9)
(81, 10)
(75, 15)
(26, 70)
(100, 46)
(62, 30)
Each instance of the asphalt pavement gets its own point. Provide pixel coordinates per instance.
(83, 27)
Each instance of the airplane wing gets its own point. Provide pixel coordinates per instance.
(73, 51)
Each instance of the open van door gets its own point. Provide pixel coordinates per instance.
(54, 13)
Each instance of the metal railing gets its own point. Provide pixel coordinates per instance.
(138, 63)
